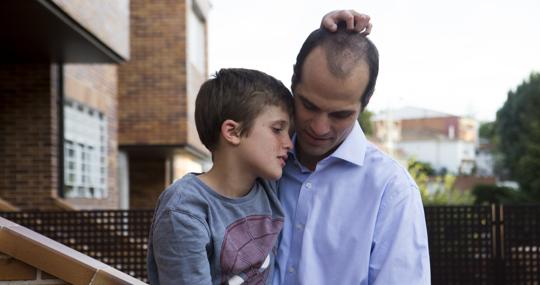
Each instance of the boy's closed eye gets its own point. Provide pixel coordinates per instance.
(277, 130)
(280, 127)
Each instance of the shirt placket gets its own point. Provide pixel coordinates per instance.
(303, 206)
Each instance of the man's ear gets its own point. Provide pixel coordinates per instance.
(230, 131)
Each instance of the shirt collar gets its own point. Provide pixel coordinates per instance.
(353, 148)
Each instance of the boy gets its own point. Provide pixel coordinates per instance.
(221, 227)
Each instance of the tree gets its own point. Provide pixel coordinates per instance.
(517, 130)
(365, 122)
(528, 166)
(491, 194)
(487, 131)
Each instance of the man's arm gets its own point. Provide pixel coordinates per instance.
(355, 21)
(400, 252)
(179, 243)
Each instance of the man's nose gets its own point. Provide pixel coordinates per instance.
(320, 125)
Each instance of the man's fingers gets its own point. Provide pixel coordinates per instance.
(367, 31)
(329, 23)
(349, 19)
(354, 21)
(361, 21)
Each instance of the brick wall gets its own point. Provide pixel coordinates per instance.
(95, 85)
(107, 20)
(429, 125)
(28, 135)
(29, 126)
(152, 85)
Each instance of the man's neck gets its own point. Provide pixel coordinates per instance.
(310, 162)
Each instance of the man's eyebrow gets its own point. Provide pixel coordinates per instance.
(308, 103)
(343, 113)
(311, 105)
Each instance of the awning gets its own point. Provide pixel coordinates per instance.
(39, 31)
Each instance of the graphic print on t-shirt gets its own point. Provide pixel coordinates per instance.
(246, 251)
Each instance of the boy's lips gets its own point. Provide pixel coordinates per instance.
(282, 159)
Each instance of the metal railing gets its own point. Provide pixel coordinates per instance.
(468, 244)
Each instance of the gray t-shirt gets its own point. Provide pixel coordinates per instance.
(200, 237)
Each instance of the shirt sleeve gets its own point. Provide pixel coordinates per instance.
(179, 243)
(400, 252)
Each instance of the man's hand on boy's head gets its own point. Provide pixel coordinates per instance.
(355, 21)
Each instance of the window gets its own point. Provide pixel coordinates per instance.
(196, 40)
(85, 152)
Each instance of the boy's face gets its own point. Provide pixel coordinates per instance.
(264, 149)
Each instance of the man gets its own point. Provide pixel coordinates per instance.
(353, 214)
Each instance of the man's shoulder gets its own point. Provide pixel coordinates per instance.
(383, 165)
(398, 183)
(375, 157)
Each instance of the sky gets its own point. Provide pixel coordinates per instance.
(460, 57)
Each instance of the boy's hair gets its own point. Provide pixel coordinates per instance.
(237, 94)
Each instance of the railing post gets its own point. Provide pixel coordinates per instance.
(498, 243)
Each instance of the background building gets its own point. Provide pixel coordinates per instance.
(96, 96)
(157, 89)
(445, 141)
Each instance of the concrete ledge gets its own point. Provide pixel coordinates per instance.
(57, 259)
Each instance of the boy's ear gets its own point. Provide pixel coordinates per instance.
(230, 130)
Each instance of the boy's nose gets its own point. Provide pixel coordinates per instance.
(287, 144)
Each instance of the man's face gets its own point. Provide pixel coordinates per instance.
(326, 107)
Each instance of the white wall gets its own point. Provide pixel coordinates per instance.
(439, 153)
(484, 163)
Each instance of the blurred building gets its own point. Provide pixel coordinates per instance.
(445, 141)
(157, 89)
(485, 159)
(96, 101)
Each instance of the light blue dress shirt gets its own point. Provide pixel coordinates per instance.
(357, 219)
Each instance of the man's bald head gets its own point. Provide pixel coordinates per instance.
(344, 51)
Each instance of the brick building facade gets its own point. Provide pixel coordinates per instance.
(157, 90)
(90, 118)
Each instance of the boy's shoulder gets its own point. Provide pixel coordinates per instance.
(182, 194)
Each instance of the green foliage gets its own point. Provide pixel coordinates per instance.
(487, 131)
(491, 194)
(528, 166)
(365, 122)
(421, 166)
(517, 131)
(437, 190)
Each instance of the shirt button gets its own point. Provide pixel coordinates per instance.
(291, 269)
(299, 226)
(308, 185)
